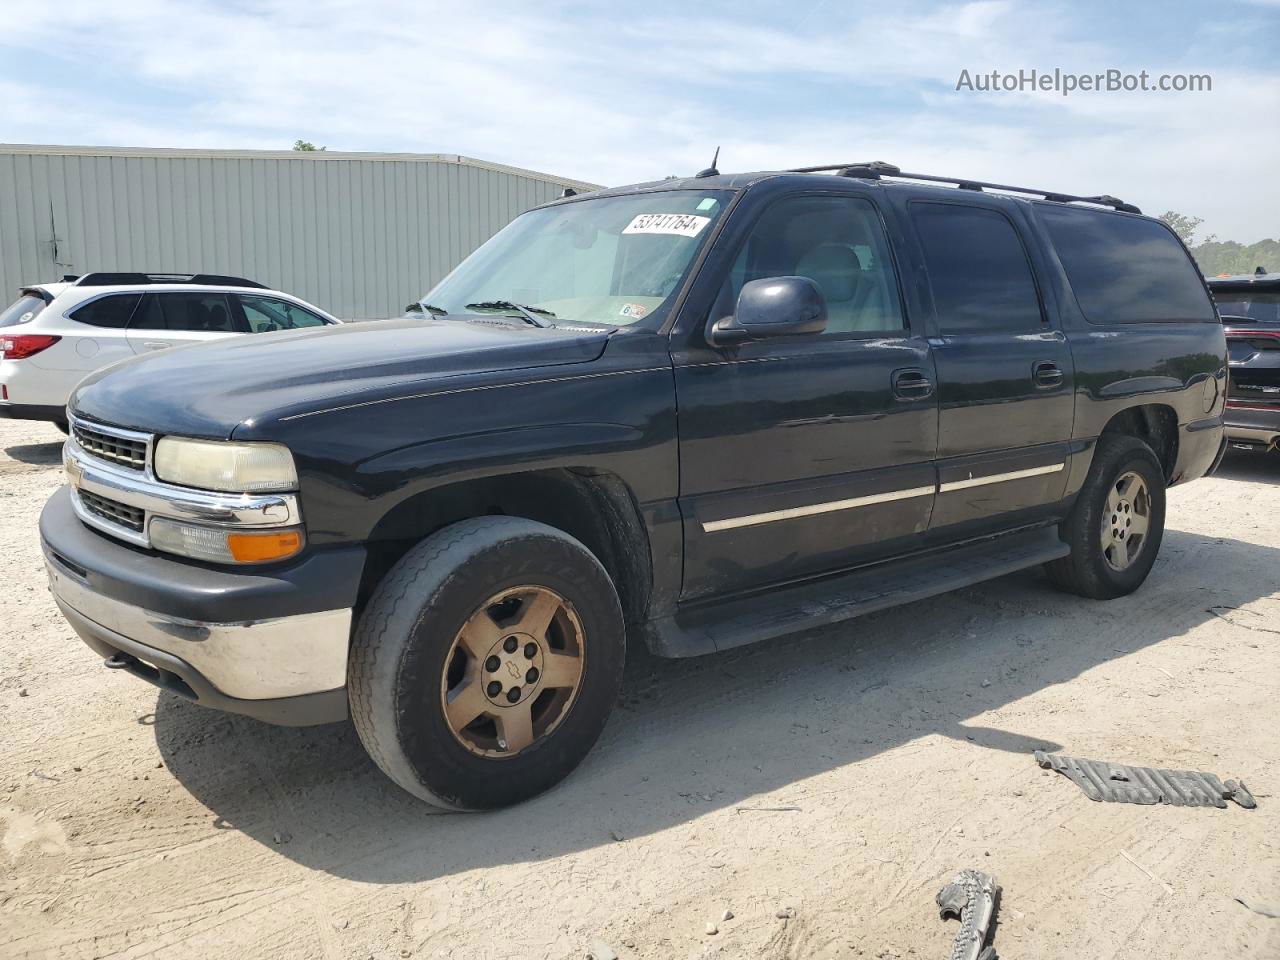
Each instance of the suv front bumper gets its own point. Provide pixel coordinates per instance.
(271, 644)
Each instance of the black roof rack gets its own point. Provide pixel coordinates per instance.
(876, 169)
(134, 279)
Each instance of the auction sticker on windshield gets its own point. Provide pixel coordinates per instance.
(672, 224)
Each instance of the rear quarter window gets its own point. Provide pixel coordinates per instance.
(1126, 269)
(110, 311)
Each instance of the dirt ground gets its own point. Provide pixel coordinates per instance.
(845, 776)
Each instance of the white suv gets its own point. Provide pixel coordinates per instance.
(56, 334)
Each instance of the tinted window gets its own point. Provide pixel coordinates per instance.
(200, 312)
(839, 243)
(266, 313)
(1125, 269)
(113, 311)
(977, 269)
(1245, 303)
(22, 310)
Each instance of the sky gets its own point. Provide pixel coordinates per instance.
(616, 93)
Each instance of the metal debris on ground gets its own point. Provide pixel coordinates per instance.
(972, 898)
(1119, 783)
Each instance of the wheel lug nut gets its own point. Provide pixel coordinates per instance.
(492, 664)
(513, 694)
(494, 688)
(510, 644)
(530, 650)
(531, 676)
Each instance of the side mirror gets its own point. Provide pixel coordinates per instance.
(773, 307)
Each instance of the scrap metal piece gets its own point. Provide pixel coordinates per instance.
(972, 898)
(1120, 783)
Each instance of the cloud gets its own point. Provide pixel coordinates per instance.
(616, 97)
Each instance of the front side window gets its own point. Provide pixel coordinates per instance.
(839, 243)
(612, 261)
(191, 312)
(22, 310)
(265, 314)
(977, 269)
(112, 311)
(1125, 269)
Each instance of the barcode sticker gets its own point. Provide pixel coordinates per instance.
(671, 224)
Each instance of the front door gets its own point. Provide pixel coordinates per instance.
(805, 454)
(171, 319)
(1005, 377)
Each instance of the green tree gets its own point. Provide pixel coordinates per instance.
(1185, 227)
(306, 146)
(1216, 257)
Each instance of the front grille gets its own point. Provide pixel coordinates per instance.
(107, 446)
(112, 511)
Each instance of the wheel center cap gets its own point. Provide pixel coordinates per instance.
(512, 670)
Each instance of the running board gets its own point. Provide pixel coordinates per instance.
(721, 625)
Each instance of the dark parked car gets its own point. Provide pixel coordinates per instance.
(1250, 308)
(696, 413)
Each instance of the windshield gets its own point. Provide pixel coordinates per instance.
(615, 261)
(1254, 304)
(22, 310)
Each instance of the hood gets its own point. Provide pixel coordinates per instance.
(206, 390)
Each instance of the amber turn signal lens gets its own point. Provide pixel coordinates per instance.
(264, 547)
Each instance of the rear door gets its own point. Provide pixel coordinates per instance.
(1005, 377)
(170, 319)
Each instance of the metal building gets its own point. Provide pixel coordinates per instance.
(359, 234)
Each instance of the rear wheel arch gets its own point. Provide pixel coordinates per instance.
(1156, 425)
(593, 506)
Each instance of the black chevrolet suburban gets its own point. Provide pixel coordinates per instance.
(691, 414)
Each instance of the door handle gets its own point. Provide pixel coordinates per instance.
(1046, 373)
(911, 385)
(154, 344)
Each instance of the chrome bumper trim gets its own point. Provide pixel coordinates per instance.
(250, 660)
(141, 489)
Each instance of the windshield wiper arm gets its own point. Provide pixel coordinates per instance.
(529, 313)
(432, 309)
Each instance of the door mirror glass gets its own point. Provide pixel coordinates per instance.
(773, 307)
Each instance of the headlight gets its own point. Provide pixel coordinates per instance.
(226, 466)
(222, 544)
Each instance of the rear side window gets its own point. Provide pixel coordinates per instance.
(1125, 269)
(197, 312)
(977, 269)
(113, 311)
(22, 310)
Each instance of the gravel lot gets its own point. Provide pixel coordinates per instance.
(846, 776)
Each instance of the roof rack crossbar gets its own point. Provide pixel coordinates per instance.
(108, 279)
(878, 168)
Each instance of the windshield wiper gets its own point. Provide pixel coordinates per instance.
(429, 308)
(529, 313)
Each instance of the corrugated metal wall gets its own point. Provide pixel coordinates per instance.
(360, 235)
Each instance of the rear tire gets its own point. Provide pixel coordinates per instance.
(486, 663)
(1115, 528)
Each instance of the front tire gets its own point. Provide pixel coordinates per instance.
(486, 663)
(1117, 523)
